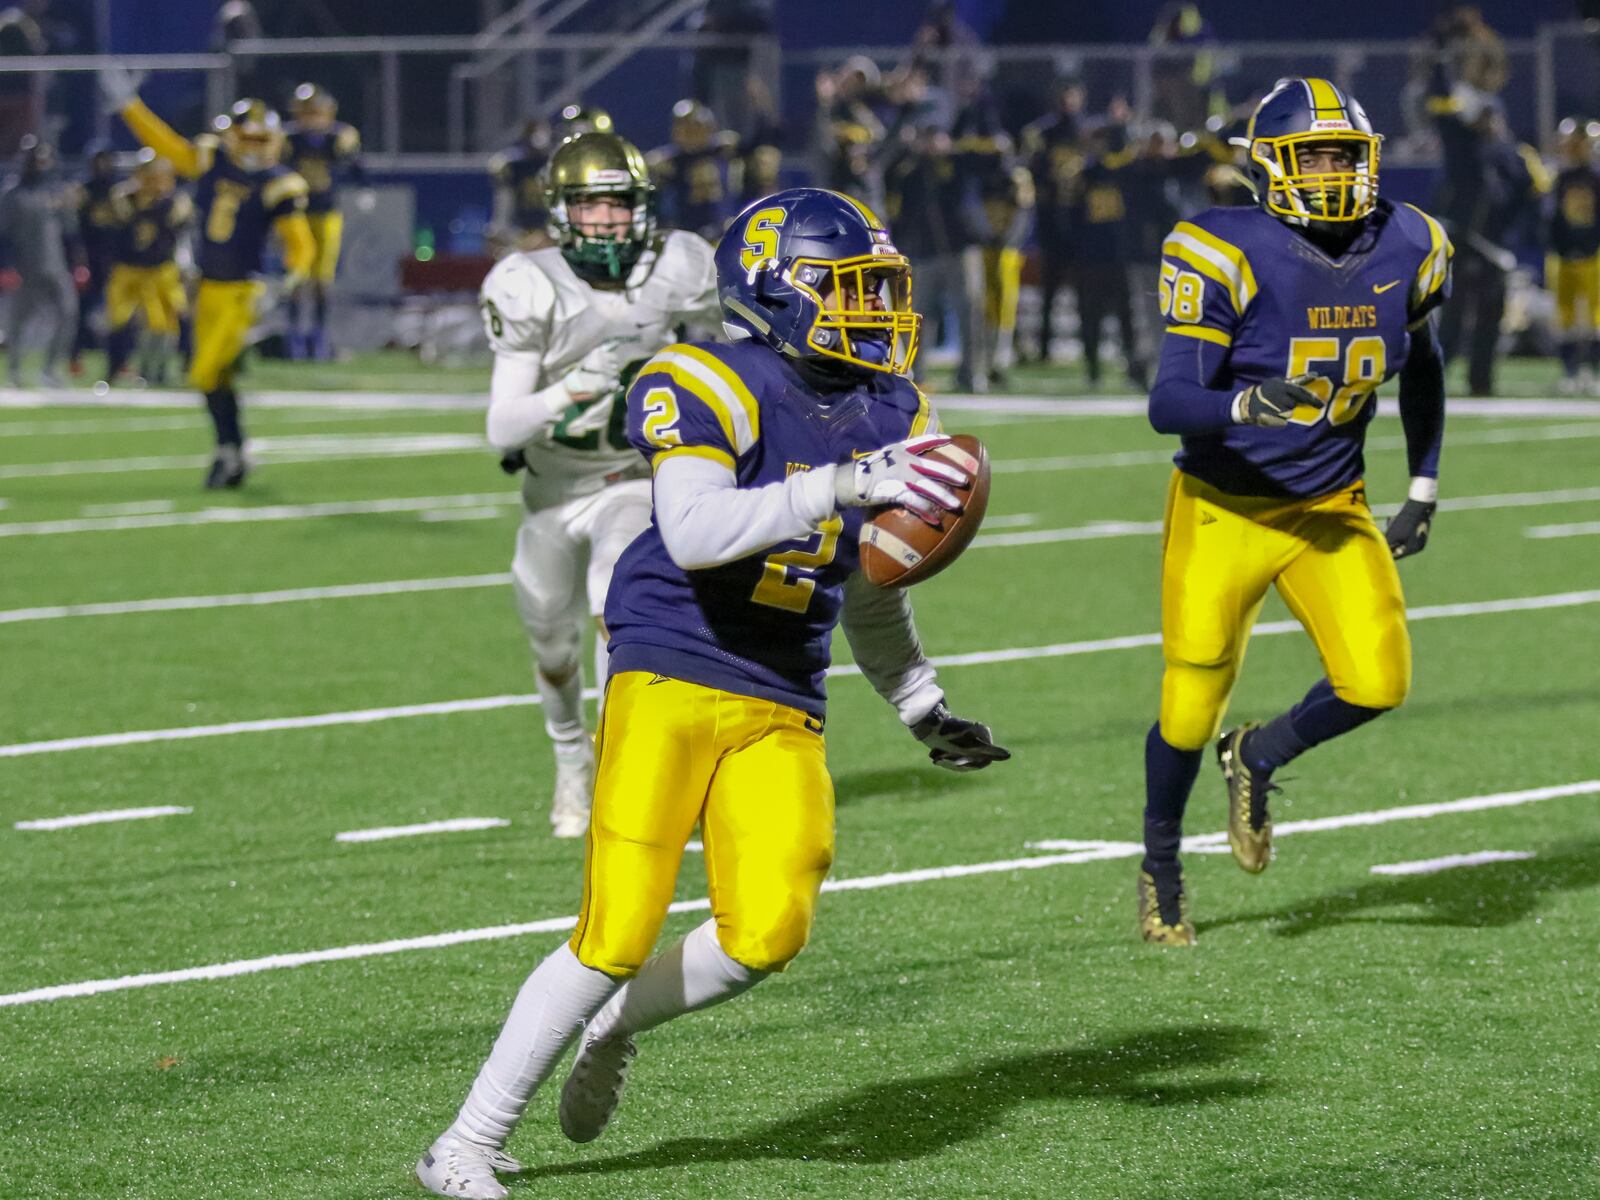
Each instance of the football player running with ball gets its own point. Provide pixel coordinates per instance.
(570, 324)
(1282, 321)
(765, 454)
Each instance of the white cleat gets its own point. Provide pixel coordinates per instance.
(453, 1167)
(569, 808)
(594, 1087)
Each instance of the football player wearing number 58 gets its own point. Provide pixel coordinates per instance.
(765, 455)
(242, 195)
(1282, 321)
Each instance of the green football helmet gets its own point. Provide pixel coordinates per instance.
(595, 166)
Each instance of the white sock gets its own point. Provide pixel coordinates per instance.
(694, 974)
(563, 706)
(549, 1012)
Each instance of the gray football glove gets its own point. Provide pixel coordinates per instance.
(119, 86)
(900, 475)
(957, 744)
(1272, 401)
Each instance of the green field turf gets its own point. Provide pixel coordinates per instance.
(1336, 1033)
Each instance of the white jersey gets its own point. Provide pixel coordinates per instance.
(537, 309)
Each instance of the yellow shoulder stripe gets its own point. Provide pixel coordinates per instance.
(871, 217)
(1214, 258)
(1435, 268)
(1203, 332)
(707, 377)
(926, 420)
(710, 452)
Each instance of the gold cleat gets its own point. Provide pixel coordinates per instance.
(1164, 911)
(1249, 823)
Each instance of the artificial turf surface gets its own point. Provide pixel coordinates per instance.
(1336, 1033)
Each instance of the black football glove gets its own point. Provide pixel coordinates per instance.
(1272, 401)
(1408, 529)
(956, 744)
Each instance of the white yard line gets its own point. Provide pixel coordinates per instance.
(1093, 531)
(1576, 529)
(130, 509)
(102, 818)
(455, 825)
(490, 703)
(329, 448)
(194, 420)
(392, 587)
(1431, 866)
(1093, 853)
(486, 513)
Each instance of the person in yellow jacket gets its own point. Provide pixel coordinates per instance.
(242, 195)
(144, 280)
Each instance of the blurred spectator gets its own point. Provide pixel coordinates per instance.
(519, 214)
(1102, 250)
(997, 206)
(99, 225)
(22, 35)
(760, 160)
(847, 131)
(37, 217)
(692, 171)
(720, 71)
(1184, 82)
(1149, 180)
(1473, 52)
(923, 205)
(236, 20)
(1050, 147)
(940, 39)
(1572, 222)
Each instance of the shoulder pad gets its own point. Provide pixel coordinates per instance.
(205, 149)
(285, 186)
(347, 140)
(519, 288)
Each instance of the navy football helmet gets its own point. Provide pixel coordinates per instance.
(1300, 114)
(813, 274)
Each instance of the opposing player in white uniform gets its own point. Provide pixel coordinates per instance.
(570, 324)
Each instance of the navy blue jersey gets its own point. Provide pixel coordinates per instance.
(150, 236)
(694, 189)
(324, 158)
(237, 209)
(99, 220)
(760, 626)
(1575, 212)
(1277, 306)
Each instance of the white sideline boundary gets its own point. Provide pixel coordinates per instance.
(1575, 529)
(865, 883)
(438, 708)
(101, 818)
(453, 825)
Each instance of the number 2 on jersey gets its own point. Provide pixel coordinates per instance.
(778, 589)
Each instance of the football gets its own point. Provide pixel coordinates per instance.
(899, 548)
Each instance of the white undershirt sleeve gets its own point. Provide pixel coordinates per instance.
(706, 519)
(883, 637)
(518, 409)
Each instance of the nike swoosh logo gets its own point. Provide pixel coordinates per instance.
(1384, 287)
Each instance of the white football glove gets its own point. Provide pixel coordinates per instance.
(119, 86)
(900, 475)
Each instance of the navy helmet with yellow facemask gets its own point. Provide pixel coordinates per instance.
(1305, 114)
(797, 270)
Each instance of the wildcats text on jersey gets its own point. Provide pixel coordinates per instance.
(1342, 316)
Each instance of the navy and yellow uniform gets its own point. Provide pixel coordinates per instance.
(715, 707)
(1249, 298)
(517, 172)
(695, 188)
(145, 280)
(99, 223)
(325, 158)
(1573, 229)
(238, 209)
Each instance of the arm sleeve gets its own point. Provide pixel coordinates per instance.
(519, 410)
(162, 138)
(1422, 402)
(706, 519)
(299, 248)
(1183, 400)
(883, 638)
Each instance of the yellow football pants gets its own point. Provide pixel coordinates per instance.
(327, 234)
(156, 293)
(223, 315)
(753, 772)
(1576, 284)
(1331, 565)
(1002, 287)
